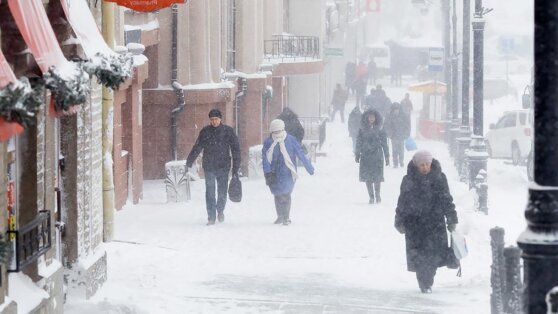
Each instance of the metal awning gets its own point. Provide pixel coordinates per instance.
(432, 87)
(146, 5)
(34, 26)
(82, 22)
(7, 76)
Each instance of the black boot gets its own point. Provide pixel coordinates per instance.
(377, 192)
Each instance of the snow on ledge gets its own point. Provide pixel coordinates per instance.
(207, 86)
(89, 260)
(144, 27)
(25, 292)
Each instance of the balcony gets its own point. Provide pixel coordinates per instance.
(292, 47)
(30, 242)
(293, 55)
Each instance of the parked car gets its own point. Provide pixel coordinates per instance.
(511, 136)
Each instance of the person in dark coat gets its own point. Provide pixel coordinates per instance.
(338, 102)
(218, 143)
(350, 75)
(354, 125)
(424, 209)
(292, 124)
(279, 153)
(398, 129)
(371, 151)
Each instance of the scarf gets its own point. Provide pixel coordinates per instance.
(279, 138)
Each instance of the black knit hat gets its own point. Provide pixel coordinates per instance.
(215, 113)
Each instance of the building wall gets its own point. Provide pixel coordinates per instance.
(272, 18)
(307, 92)
(81, 144)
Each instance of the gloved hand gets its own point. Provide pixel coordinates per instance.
(357, 159)
(270, 178)
(387, 162)
(400, 228)
(451, 227)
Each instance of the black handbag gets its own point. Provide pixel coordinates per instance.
(235, 189)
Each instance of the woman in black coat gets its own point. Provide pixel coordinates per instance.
(424, 208)
(371, 151)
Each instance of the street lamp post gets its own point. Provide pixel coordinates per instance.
(447, 59)
(539, 241)
(464, 138)
(454, 128)
(477, 156)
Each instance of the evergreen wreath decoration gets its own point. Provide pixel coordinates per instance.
(111, 70)
(19, 102)
(69, 88)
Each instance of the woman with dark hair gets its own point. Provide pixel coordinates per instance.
(424, 208)
(371, 152)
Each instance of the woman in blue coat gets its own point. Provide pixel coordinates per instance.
(279, 153)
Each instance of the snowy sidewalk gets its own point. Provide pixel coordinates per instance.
(340, 255)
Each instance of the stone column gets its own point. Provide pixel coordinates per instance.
(199, 42)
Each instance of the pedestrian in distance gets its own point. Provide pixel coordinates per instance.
(407, 105)
(371, 152)
(279, 155)
(354, 125)
(372, 71)
(398, 128)
(424, 210)
(338, 102)
(219, 144)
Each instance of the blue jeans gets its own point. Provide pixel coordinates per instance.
(215, 205)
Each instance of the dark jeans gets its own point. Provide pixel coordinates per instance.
(215, 205)
(425, 276)
(397, 151)
(283, 206)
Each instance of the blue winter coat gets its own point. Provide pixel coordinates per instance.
(285, 183)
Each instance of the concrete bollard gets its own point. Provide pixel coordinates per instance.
(514, 286)
(177, 181)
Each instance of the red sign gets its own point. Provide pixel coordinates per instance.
(146, 5)
(373, 5)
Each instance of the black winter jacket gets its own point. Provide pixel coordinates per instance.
(218, 144)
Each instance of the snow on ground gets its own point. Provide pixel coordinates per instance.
(340, 255)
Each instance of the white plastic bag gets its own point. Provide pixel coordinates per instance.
(459, 244)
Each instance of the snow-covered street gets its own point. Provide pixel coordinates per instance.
(339, 255)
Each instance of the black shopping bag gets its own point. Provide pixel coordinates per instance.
(235, 189)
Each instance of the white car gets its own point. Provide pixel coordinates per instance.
(511, 136)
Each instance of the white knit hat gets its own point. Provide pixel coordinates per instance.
(422, 156)
(276, 125)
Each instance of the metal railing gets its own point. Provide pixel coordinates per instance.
(314, 129)
(31, 241)
(289, 47)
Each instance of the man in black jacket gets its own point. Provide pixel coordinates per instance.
(218, 142)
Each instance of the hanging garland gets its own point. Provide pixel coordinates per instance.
(19, 102)
(111, 70)
(68, 88)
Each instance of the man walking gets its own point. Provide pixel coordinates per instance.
(219, 143)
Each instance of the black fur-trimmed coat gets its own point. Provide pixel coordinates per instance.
(424, 208)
